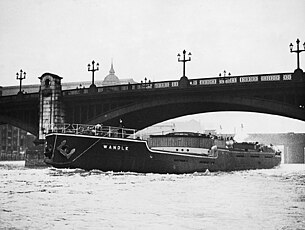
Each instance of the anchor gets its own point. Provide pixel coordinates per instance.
(63, 149)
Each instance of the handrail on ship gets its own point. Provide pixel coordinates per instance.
(92, 130)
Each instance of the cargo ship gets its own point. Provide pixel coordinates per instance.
(118, 149)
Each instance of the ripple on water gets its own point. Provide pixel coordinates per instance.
(75, 198)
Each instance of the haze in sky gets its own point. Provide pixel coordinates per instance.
(143, 37)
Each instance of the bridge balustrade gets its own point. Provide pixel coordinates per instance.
(206, 82)
(193, 83)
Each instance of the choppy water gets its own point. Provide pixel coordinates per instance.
(50, 198)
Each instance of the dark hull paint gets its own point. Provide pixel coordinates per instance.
(129, 155)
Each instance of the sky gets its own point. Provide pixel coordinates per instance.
(143, 38)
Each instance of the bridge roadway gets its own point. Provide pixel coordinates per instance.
(144, 104)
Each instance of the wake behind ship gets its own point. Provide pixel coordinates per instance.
(117, 149)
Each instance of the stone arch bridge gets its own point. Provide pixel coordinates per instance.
(144, 104)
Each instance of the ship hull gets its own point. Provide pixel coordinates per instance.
(130, 155)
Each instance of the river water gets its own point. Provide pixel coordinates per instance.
(49, 198)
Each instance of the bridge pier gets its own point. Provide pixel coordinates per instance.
(51, 109)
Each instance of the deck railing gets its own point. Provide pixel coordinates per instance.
(92, 130)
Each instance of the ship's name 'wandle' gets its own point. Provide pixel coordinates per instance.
(116, 147)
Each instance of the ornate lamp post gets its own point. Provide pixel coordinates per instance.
(93, 69)
(184, 60)
(20, 77)
(298, 51)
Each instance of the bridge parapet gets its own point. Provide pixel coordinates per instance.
(207, 82)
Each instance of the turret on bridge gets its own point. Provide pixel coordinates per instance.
(51, 107)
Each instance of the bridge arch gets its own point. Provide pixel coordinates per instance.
(19, 124)
(148, 112)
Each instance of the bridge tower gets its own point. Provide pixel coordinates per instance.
(51, 110)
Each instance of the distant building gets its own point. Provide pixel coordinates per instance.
(210, 131)
(111, 78)
(13, 142)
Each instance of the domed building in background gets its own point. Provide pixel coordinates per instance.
(111, 78)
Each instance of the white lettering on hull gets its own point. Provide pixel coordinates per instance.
(116, 147)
